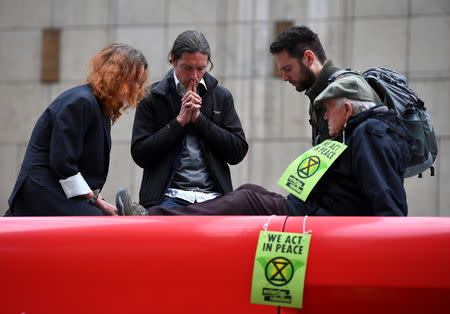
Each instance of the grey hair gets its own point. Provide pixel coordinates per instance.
(191, 42)
(357, 105)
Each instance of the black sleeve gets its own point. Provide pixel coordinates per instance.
(149, 144)
(66, 143)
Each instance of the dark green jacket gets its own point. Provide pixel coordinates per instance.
(318, 124)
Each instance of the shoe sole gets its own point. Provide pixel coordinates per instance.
(119, 204)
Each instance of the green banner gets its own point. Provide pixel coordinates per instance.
(303, 173)
(279, 269)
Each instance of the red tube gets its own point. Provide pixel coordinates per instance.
(199, 264)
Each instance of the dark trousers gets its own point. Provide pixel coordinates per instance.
(248, 199)
(173, 202)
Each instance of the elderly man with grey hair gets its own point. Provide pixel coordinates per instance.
(368, 176)
(365, 180)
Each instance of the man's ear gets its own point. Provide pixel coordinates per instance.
(348, 109)
(308, 58)
(173, 62)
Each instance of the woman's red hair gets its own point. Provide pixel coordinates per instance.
(110, 73)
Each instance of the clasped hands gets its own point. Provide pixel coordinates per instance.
(190, 106)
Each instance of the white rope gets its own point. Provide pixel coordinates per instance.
(304, 226)
(266, 225)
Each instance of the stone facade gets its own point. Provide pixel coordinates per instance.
(410, 36)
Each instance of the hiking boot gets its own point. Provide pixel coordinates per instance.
(126, 206)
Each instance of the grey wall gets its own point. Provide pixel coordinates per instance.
(410, 36)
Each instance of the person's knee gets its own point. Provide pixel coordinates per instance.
(249, 186)
(243, 196)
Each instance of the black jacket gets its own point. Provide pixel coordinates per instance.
(71, 136)
(367, 179)
(157, 136)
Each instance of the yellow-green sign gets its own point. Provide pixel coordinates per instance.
(279, 269)
(304, 172)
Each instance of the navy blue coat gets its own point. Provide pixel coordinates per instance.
(72, 135)
(367, 179)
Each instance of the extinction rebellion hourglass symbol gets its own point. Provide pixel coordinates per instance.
(308, 167)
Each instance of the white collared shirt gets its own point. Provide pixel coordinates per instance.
(191, 196)
(181, 88)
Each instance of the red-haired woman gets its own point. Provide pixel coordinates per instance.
(67, 159)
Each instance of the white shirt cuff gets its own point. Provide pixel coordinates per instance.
(75, 185)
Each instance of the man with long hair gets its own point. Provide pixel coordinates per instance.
(186, 133)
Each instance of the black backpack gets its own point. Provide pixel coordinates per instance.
(393, 90)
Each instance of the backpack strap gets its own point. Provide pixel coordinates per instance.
(336, 74)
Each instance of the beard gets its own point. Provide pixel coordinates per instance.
(308, 78)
